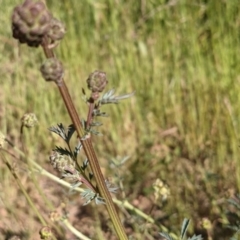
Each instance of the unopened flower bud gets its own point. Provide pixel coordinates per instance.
(59, 213)
(97, 81)
(161, 190)
(57, 30)
(55, 216)
(65, 165)
(31, 22)
(62, 162)
(206, 224)
(52, 70)
(46, 233)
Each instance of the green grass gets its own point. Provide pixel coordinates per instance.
(183, 61)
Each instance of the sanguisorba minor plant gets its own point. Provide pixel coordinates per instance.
(34, 25)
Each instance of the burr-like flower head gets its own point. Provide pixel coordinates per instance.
(97, 81)
(52, 70)
(31, 21)
(57, 30)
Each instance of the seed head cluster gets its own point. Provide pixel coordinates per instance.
(31, 22)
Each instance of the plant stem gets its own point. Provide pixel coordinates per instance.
(29, 200)
(74, 230)
(90, 111)
(124, 203)
(89, 151)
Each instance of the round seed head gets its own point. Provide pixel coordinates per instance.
(55, 216)
(52, 70)
(57, 30)
(97, 81)
(30, 22)
(29, 120)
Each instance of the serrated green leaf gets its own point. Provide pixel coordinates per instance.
(109, 97)
(70, 132)
(184, 227)
(166, 236)
(88, 195)
(99, 200)
(96, 124)
(85, 164)
(96, 132)
(63, 151)
(59, 130)
(196, 237)
(77, 149)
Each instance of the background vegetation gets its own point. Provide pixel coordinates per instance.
(182, 126)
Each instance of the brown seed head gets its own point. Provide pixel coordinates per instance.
(97, 81)
(57, 30)
(30, 22)
(52, 70)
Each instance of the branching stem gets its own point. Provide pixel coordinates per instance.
(89, 151)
